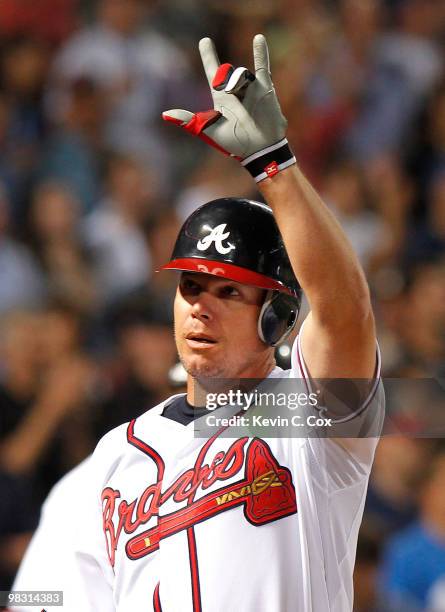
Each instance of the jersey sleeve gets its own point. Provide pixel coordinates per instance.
(67, 552)
(344, 451)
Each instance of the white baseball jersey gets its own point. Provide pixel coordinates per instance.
(49, 563)
(167, 521)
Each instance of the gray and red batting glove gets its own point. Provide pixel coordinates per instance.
(246, 121)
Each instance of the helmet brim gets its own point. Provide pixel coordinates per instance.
(226, 270)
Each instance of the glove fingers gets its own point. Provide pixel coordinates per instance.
(195, 123)
(209, 58)
(178, 115)
(222, 76)
(240, 78)
(261, 56)
(202, 120)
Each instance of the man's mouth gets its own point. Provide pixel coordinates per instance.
(199, 340)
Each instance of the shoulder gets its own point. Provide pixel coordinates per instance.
(72, 482)
(120, 442)
(110, 445)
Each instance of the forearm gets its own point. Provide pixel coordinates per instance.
(322, 258)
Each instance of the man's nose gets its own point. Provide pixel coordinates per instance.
(204, 307)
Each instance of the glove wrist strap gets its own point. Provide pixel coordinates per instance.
(269, 161)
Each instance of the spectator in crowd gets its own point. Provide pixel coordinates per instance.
(50, 20)
(18, 519)
(414, 559)
(339, 68)
(45, 393)
(392, 193)
(366, 570)
(72, 154)
(19, 503)
(392, 498)
(161, 235)
(21, 283)
(209, 181)
(427, 239)
(114, 233)
(145, 354)
(425, 157)
(23, 69)
(63, 357)
(413, 45)
(405, 68)
(421, 326)
(345, 192)
(134, 68)
(19, 358)
(55, 220)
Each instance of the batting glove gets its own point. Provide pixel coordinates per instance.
(246, 122)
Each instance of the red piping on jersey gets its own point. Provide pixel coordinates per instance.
(143, 446)
(302, 368)
(193, 558)
(193, 555)
(156, 600)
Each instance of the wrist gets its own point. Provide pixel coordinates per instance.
(268, 162)
(278, 186)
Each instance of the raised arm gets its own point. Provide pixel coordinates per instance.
(246, 123)
(339, 337)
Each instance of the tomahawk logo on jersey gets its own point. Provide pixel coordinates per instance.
(262, 487)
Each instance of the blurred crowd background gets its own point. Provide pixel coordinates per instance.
(94, 187)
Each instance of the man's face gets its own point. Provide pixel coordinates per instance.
(216, 328)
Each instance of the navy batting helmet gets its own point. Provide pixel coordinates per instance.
(239, 239)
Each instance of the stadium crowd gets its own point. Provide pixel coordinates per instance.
(93, 189)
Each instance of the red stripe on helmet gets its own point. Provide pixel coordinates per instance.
(227, 270)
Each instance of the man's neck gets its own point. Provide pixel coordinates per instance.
(198, 388)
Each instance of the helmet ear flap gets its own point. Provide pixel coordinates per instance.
(277, 318)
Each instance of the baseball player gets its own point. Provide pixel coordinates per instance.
(170, 521)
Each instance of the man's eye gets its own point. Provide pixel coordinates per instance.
(230, 291)
(189, 285)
